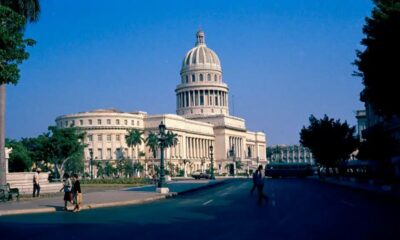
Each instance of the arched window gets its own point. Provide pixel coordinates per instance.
(193, 78)
(215, 77)
(187, 78)
(209, 77)
(201, 77)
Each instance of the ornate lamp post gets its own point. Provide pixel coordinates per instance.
(162, 185)
(212, 163)
(91, 164)
(232, 153)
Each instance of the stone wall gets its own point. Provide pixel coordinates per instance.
(24, 182)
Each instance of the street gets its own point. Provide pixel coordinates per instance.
(297, 209)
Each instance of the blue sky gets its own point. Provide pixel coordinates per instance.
(283, 60)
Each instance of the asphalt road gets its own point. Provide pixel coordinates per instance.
(297, 209)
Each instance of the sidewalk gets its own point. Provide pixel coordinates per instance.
(387, 190)
(110, 198)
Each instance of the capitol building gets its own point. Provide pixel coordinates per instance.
(202, 120)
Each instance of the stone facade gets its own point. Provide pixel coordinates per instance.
(202, 120)
(290, 154)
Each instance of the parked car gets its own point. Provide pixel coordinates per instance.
(199, 175)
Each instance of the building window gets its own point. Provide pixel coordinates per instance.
(73, 122)
(117, 121)
(201, 99)
(108, 121)
(133, 122)
(81, 122)
(108, 153)
(90, 121)
(215, 77)
(117, 137)
(201, 77)
(193, 78)
(90, 138)
(66, 123)
(187, 78)
(209, 77)
(99, 153)
(126, 122)
(100, 137)
(99, 121)
(108, 138)
(137, 123)
(216, 101)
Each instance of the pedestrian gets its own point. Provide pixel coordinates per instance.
(77, 193)
(260, 184)
(67, 188)
(254, 182)
(36, 183)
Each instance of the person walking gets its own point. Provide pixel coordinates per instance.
(36, 183)
(67, 187)
(260, 175)
(77, 193)
(254, 182)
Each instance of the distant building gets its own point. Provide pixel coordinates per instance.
(361, 116)
(289, 154)
(202, 120)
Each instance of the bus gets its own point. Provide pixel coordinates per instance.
(301, 170)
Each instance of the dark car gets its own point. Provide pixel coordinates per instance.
(199, 175)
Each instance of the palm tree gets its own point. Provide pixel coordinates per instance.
(133, 139)
(152, 143)
(171, 139)
(30, 10)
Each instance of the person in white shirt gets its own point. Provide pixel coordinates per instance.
(36, 183)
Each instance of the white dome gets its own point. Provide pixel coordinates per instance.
(201, 56)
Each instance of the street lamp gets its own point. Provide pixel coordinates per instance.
(91, 163)
(232, 153)
(212, 163)
(162, 185)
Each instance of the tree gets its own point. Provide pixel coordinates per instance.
(171, 139)
(100, 169)
(378, 64)
(65, 145)
(329, 140)
(14, 15)
(134, 138)
(19, 160)
(152, 143)
(109, 170)
(379, 145)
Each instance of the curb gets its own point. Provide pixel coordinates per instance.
(112, 204)
(360, 189)
(84, 207)
(210, 185)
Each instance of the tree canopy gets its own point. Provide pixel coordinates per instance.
(19, 159)
(12, 45)
(329, 140)
(378, 63)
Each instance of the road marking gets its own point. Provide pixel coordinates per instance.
(347, 203)
(209, 201)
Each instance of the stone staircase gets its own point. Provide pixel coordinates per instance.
(24, 182)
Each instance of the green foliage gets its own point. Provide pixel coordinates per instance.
(134, 138)
(100, 170)
(171, 139)
(109, 170)
(12, 45)
(152, 143)
(379, 145)
(378, 64)
(329, 140)
(19, 160)
(30, 9)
